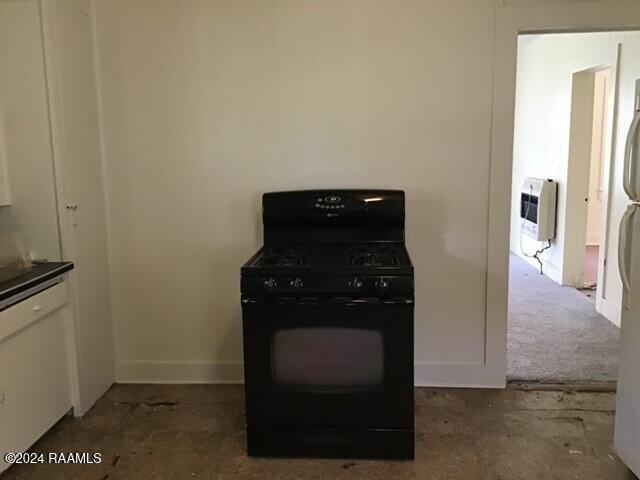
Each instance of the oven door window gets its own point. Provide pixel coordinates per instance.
(328, 359)
(328, 363)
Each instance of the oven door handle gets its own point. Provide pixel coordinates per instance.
(354, 302)
(346, 301)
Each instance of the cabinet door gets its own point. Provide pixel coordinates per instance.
(34, 384)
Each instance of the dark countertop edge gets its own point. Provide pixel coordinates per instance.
(39, 274)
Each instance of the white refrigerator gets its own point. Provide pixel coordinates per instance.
(627, 436)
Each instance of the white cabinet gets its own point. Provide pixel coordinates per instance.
(35, 390)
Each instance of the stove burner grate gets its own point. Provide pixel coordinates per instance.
(373, 255)
(284, 261)
(373, 249)
(374, 260)
(283, 256)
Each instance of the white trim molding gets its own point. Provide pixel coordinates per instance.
(456, 376)
(166, 372)
(179, 372)
(611, 311)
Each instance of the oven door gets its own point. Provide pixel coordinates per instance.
(334, 362)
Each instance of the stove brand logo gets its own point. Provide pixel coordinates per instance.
(332, 199)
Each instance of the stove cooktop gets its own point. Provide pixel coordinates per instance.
(390, 258)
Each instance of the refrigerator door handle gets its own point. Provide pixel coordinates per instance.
(622, 245)
(627, 181)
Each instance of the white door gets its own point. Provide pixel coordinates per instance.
(627, 438)
(79, 172)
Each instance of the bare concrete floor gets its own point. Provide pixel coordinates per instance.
(196, 432)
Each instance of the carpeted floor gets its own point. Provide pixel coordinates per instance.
(555, 334)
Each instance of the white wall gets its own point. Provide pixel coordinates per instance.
(24, 121)
(209, 104)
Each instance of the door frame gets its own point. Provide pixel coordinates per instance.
(603, 306)
(48, 32)
(511, 21)
(87, 386)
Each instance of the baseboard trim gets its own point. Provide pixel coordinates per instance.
(426, 375)
(457, 376)
(180, 372)
(611, 312)
(609, 387)
(549, 269)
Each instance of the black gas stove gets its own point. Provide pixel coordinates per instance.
(341, 268)
(328, 327)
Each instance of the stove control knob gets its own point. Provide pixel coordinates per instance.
(355, 283)
(269, 284)
(381, 284)
(296, 283)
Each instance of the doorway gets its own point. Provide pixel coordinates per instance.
(562, 135)
(513, 20)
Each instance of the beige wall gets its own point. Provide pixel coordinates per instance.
(209, 104)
